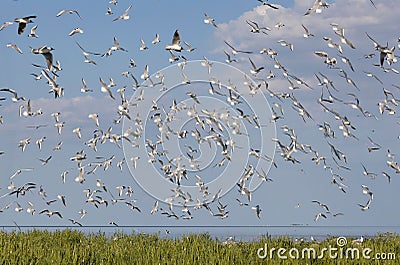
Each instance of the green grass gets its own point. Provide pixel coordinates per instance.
(74, 247)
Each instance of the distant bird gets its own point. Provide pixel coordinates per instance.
(62, 199)
(156, 39)
(5, 24)
(287, 44)
(228, 59)
(45, 161)
(209, 20)
(19, 171)
(109, 11)
(74, 222)
(124, 15)
(15, 47)
(33, 32)
(322, 205)
(15, 97)
(65, 11)
(332, 44)
(134, 161)
(373, 4)
(40, 141)
(85, 52)
(189, 48)
(75, 31)
(319, 215)
(22, 22)
(279, 25)
(84, 88)
(113, 223)
(31, 209)
(343, 39)
(23, 143)
(82, 212)
(117, 47)
(59, 126)
(366, 173)
(366, 206)
(58, 146)
(77, 131)
(257, 209)
(366, 190)
(143, 45)
(51, 213)
(235, 51)
(176, 43)
(105, 88)
(155, 208)
(267, 4)
(145, 74)
(384, 52)
(254, 70)
(95, 118)
(317, 7)
(307, 33)
(46, 52)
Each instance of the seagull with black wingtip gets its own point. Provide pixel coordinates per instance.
(22, 22)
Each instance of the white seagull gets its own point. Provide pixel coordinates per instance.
(209, 20)
(124, 15)
(176, 43)
(95, 118)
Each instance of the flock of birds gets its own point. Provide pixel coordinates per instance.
(209, 125)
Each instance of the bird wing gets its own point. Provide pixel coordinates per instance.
(21, 27)
(49, 59)
(176, 39)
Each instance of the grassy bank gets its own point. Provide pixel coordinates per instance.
(73, 247)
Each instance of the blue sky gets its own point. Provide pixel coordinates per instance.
(293, 184)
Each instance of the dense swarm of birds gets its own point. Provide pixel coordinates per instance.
(331, 113)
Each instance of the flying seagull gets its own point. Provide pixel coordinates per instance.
(234, 51)
(65, 11)
(317, 7)
(124, 15)
(176, 43)
(22, 23)
(209, 20)
(266, 4)
(33, 32)
(46, 52)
